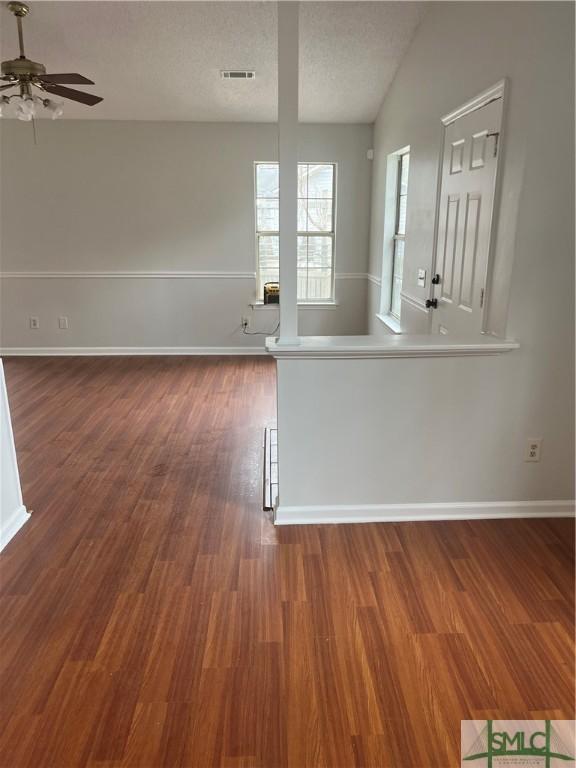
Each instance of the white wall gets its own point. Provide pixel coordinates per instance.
(403, 431)
(13, 513)
(374, 432)
(99, 196)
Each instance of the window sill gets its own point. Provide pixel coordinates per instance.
(390, 322)
(301, 305)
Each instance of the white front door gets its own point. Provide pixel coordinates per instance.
(465, 219)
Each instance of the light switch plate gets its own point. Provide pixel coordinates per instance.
(421, 278)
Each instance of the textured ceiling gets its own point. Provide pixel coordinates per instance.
(161, 60)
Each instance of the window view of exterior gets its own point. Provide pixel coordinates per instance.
(399, 235)
(316, 205)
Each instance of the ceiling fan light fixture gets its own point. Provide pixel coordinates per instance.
(28, 107)
(24, 108)
(53, 108)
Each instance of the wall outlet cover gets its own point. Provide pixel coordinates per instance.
(533, 449)
(34, 322)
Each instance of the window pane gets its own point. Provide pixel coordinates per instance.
(319, 217)
(320, 180)
(314, 268)
(320, 253)
(395, 304)
(302, 256)
(267, 180)
(401, 229)
(398, 258)
(302, 215)
(404, 168)
(268, 259)
(302, 179)
(267, 219)
(318, 286)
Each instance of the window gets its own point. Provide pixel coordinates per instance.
(399, 234)
(316, 205)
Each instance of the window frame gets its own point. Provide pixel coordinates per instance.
(399, 236)
(276, 233)
(391, 235)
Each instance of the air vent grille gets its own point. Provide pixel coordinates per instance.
(237, 74)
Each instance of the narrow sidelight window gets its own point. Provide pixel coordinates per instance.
(399, 234)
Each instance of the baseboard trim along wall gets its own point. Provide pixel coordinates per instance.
(97, 351)
(397, 513)
(15, 522)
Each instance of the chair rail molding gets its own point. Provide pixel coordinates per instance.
(415, 303)
(161, 275)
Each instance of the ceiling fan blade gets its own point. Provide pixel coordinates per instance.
(70, 93)
(71, 77)
(10, 85)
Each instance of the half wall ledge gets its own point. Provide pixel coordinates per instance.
(404, 345)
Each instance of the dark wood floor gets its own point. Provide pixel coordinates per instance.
(153, 617)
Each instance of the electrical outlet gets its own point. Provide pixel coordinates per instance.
(34, 322)
(533, 449)
(63, 323)
(245, 323)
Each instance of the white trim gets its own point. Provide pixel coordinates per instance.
(390, 322)
(373, 279)
(404, 345)
(415, 303)
(97, 351)
(259, 305)
(163, 275)
(351, 276)
(490, 94)
(15, 522)
(395, 513)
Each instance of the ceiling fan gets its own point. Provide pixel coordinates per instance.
(26, 74)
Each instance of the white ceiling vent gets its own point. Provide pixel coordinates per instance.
(237, 74)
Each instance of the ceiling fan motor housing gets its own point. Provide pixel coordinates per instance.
(22, 67)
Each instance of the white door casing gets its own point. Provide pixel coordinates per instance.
(472, 143)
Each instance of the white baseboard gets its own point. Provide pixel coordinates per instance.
(95, 351)
(13, 525)
(397, 513)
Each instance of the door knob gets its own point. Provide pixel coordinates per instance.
(436, 280)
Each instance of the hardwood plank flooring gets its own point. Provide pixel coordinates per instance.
(153, 617)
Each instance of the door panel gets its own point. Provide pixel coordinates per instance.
(465, 219)
(449, 251)
(469, 251)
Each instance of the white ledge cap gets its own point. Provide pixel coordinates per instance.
(404, 345)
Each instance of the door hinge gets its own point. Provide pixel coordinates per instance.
(481, 297)
(496, 135)
(431, 303)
